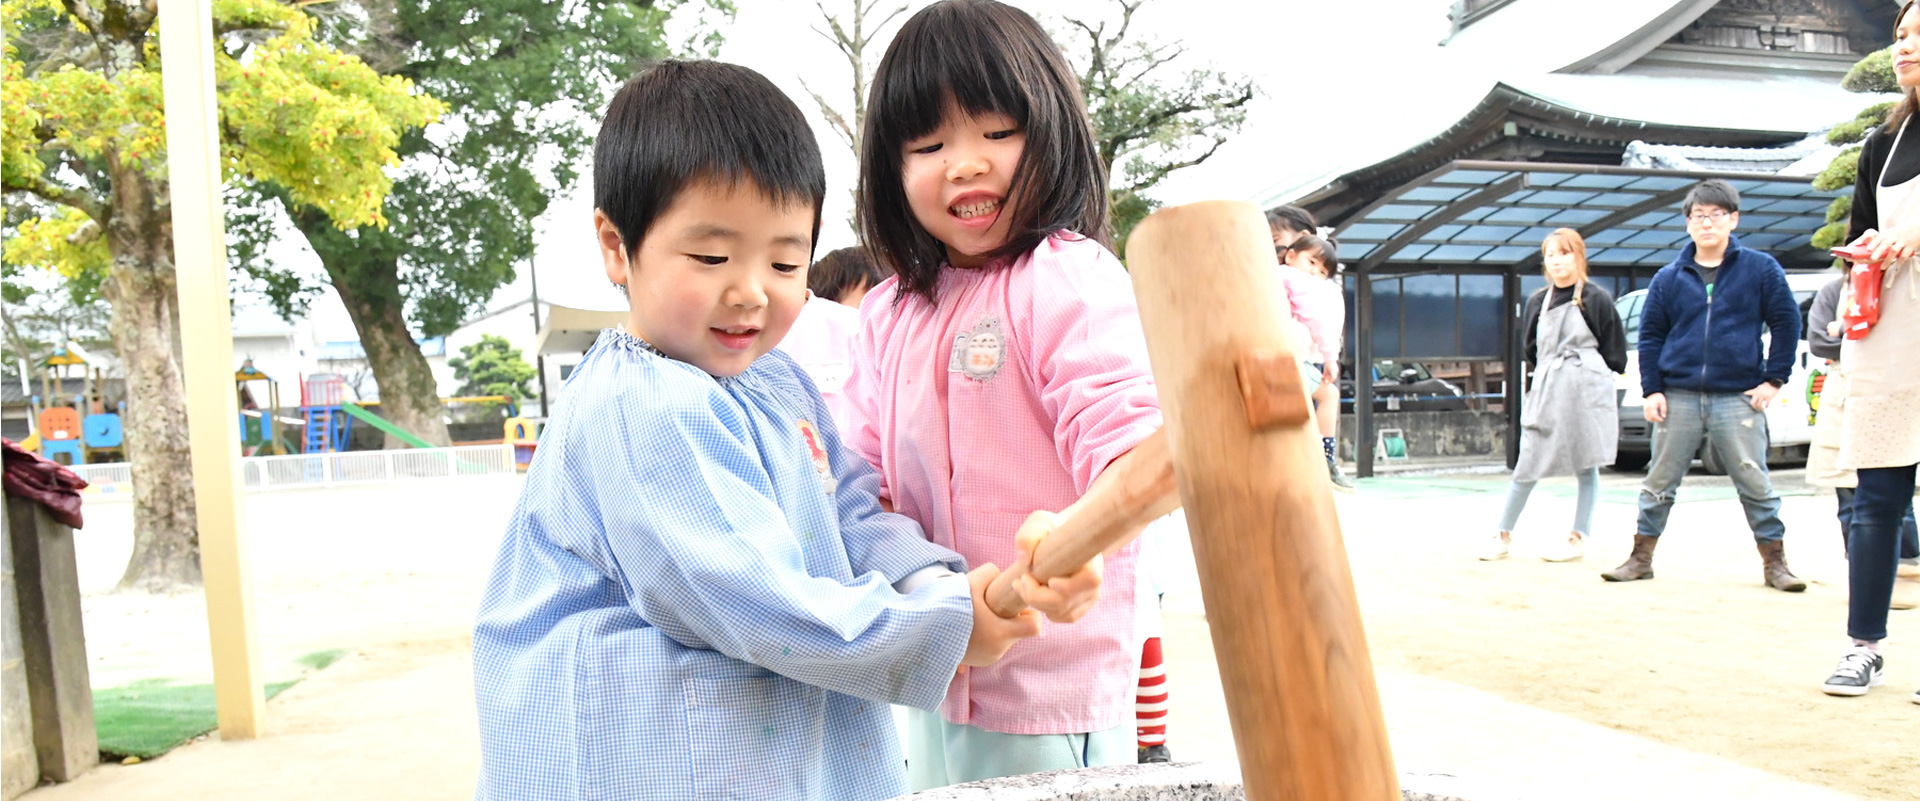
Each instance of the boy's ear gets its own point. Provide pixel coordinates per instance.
(1733, 220)
(613, 249)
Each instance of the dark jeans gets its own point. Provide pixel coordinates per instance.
(1909, 534)
(1885, 494)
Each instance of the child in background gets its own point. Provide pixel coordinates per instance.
(1289, 224)
(698, 594)
(822, 338)
(1002, 369)
(845, 276)
(1313, 291)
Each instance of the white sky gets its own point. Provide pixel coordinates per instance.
(1334, 76)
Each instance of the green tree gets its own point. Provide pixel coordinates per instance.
(1148, 121)
(1872, 75)
(44, 310)
(492, 366)
(83, 165)
(524, 79)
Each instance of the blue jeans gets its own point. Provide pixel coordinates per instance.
(1873, 547)
(1909, 535)
(1738, 432)
(1589, 483)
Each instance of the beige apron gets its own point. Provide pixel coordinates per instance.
(1823, 455)
(1880, 421)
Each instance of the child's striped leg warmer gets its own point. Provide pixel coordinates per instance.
(1150, 701)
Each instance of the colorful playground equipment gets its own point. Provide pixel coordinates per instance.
(330, 416)
(523, 433)
(84, 433)
(328, 425)
(60, 435)
(103, 438)
(259, 426)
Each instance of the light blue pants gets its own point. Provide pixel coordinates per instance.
(1738, 432)
(1518, 491)
(941, 753)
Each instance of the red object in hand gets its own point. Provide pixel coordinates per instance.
(1859, 317)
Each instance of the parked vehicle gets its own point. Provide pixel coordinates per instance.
(1789, 428)
(1403, 386)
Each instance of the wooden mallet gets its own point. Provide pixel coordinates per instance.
(1273, 568)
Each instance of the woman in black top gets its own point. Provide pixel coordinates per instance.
(1879, 432)
(1574, 346)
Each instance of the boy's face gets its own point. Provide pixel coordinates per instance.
(956, 180)
(719, 278)
(1710, 225)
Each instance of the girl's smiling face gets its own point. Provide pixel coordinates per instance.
(957, 178)
(1306, 262)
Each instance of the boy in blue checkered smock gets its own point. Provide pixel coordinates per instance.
(699, 595)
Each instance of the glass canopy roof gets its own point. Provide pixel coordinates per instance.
(1486, 213)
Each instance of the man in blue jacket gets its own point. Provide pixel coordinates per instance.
(1704, 375)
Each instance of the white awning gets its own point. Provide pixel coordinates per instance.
(573, 330)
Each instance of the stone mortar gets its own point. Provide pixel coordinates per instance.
(1187, 781)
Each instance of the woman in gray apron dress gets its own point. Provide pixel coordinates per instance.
(1568, 424)
(1879, 430)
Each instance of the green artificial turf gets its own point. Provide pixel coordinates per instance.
(153, 716)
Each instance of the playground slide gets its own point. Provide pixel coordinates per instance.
(380, 423)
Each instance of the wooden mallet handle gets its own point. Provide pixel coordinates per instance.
(1273, 568)
(1100, 522)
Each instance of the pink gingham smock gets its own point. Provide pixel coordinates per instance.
(1011, 395)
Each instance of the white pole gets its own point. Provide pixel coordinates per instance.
(206, 334)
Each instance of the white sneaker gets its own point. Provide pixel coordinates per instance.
(1496, 547)
(1572, 549)
(1859, 670)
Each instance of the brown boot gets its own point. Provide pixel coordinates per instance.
(1639, 564)
(1773, 565)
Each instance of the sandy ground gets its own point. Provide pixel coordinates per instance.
(1533, 680)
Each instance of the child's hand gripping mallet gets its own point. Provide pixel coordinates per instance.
(1136, 489)
(1273, 568)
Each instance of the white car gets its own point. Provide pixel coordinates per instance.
(1789, 423)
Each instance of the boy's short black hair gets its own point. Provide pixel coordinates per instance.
(1711, 192)
(984, 57)
(682, 122)
(1292, 218)
(840, 271)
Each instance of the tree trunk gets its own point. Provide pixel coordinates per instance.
(369, 286)
(409, 396)
(166, 538)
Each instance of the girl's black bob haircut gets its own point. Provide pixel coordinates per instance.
(983, 57)
(682, 122)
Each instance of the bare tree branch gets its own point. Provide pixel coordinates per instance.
(87, 14)
(54, 193)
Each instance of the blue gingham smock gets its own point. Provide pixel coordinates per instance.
(684, 606)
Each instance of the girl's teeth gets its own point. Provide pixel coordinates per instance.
(976, 209)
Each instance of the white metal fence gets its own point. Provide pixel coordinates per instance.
(328, 469)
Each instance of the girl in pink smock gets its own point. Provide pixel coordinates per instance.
(1002, 370)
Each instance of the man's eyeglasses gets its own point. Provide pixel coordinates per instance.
(1708, 217)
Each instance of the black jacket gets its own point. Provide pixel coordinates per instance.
(1596, 307)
